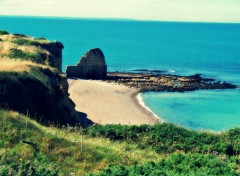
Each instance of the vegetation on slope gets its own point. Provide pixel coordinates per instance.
(2, 32)
(21, 47)
(62, 150)
(176, 164)
(188, 152)
(38, 50)
(67, 150)
(167, 138)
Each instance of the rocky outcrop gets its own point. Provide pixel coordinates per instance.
(55, 57)
(161, 82)
(91, 66)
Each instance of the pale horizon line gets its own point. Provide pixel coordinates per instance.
(117, 19)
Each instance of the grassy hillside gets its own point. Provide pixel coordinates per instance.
(185, 152)
(73, 151)
(62, 150)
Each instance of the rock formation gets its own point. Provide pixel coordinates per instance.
(55, 57)
(91, 66)
(172, 83)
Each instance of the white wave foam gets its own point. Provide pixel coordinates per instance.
(141, 102)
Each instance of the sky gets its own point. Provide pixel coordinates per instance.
(160, 10)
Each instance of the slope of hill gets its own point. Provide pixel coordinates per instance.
(28, 148)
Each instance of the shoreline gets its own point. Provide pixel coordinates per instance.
(143, 105)
(110, 103)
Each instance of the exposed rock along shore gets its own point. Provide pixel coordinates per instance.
(160, 82)
(93, 66)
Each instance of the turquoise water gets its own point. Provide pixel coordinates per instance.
(187, 48)
(207, 110)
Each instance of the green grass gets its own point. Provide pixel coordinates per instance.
(59, 149)
(176, 164)
(67, 150)
(37, 57)
(167, 138)
(22, 41)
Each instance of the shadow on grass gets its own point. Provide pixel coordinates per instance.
(83, 119)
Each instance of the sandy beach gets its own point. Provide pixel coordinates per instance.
(109, 103)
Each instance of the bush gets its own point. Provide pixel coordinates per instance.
(9, 165)
(176, 164)
(22, 41)
(40, 38)
(3, 32)
(167, 138)
(20, 35)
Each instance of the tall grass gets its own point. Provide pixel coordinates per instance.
(59, 149)
(9, 65)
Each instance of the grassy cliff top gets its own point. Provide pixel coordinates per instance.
(21, 47)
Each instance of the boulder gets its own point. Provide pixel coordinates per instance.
(91, 66)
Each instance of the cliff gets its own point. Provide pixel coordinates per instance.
(31, 81)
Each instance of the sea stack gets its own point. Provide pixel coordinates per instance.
(91, 66)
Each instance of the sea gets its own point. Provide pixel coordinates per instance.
(181, 48)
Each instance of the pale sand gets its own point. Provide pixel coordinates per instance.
(109, 103)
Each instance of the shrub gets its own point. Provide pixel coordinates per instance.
(40, 38)
(3, 32)
(176, 164)
(20, 35)
(167, 138)
(10, 166)
(22, 41)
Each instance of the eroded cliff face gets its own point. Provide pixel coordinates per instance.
(41, 93)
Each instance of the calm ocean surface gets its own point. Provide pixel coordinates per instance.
(187, 48)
